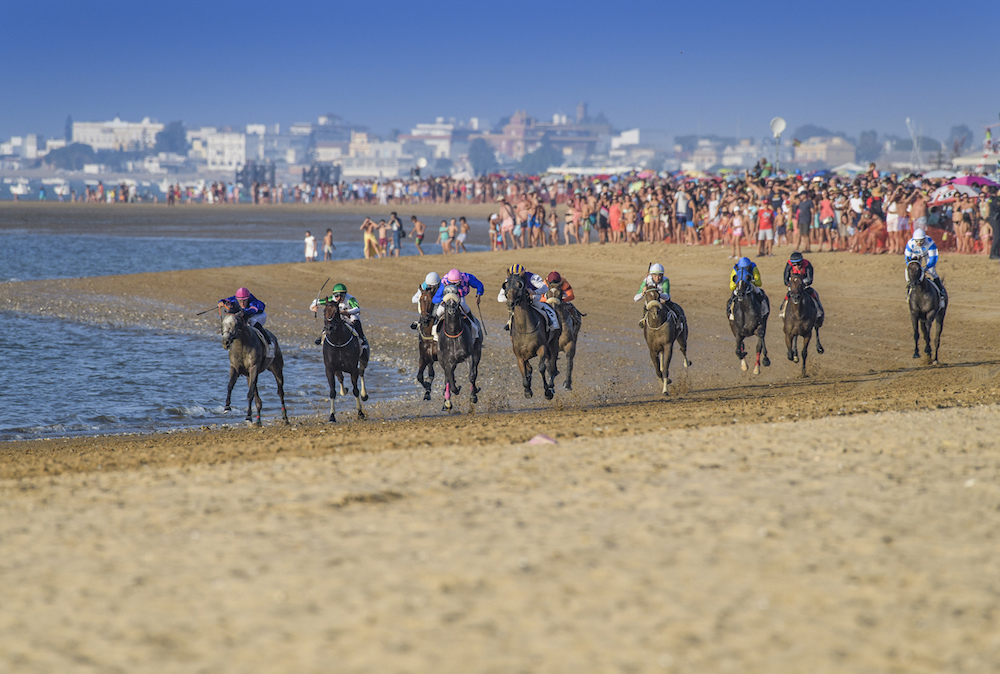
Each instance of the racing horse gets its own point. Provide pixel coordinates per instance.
(801, 318)
(571, 321)
(747, 309)
(456, 345)
(662, 328)
(427, 348)
(342, 353)
(531, 337)
(248, 356)
(927, 306)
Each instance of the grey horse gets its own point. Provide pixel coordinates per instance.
(662, 328)
(455, 345)
(749, 317)
(927, 306)
(248, 357)
(571, 321)
(531, 337)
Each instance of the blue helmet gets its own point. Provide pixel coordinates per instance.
(743, 263)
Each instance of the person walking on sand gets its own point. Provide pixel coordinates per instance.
(310, 247)
(397, 234)
(419, 229)
(463, 234)
(443, 238)
(383, 238)
(328, 246)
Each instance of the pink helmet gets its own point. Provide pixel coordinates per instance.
(242, 294)
(454, 276)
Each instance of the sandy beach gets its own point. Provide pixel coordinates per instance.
(843, 522)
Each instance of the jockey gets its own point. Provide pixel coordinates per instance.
(349, 309)
(431, 282)
(464, 284)
(555, 280)
(922, 248)
(656, 279)
(537, 287)
(252, 308)
(745, 263)
(801, 267)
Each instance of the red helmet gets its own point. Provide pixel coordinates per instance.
(242, 294)
(554, 277)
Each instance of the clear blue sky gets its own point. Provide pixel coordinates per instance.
(681, 67)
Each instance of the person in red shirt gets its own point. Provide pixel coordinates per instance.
(765, 229)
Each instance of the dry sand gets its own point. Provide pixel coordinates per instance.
(751, 524)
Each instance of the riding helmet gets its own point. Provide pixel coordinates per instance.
(515, 269)
(744, 262)
(919, 235)
(339, 288)
(554, 277)
(242, 294)
(656, 268)
(795, 257)
(432, 279)
(454, 276)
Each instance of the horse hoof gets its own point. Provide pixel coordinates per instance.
(766, 362)
(934, 362)
(456, 390)
(756, 369)
(743, 365)
(796, 359)
(549, 394)
(528, 393)
(333, 419)
(687, 363)
(446, 408)
(427, 395)
(820, 349)
(568, 386)
(361, 415)
(364, 398)
(227, 408)
(916, 354)
(475, 399)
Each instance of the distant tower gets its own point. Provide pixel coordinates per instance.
(581, 112)
(69, 129)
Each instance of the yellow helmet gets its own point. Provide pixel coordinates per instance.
(515, 269)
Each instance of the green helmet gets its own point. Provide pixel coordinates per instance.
(340, 288)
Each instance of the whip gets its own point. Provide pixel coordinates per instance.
(481, 321)
(319, 291)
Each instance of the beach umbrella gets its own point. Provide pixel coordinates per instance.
(636, 186)
(948, 193)
(978, 181)
(940, 173)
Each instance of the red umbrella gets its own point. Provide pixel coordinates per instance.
(978, 181)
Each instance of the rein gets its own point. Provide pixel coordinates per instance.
(326, 338)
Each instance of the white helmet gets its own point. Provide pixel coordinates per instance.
(432, 279)
(656, 268)
(919, 235)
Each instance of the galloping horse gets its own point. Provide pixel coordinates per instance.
(427, 348)
(662, 329)
(749, 319)
(248, 357)
(342, 353)
(571, 321)
(455, 344)
(531, 337)
(801, 318)
(927, 306)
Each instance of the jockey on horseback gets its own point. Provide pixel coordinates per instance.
(431, 282)
(801, 267)
(746, 266)
(535, 285)
(463, 284)
(656, 280)
(557, 283)
(923, 249)
(349, 309)
(252, 308)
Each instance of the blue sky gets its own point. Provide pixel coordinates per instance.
(685, 67)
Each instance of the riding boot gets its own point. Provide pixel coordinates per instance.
(819, 305)
(940, 286)
(320, 340)
(507, 326)
(642, 321)
(413, 326)
(361, 333)
(781, 310)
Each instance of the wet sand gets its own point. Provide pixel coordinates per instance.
(844, 522)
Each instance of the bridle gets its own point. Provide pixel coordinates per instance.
(520, 298)
(655, 303)
(452, 309)
(327, 325)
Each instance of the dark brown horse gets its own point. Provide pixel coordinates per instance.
(456, 345)
(571, 321)
(928, 304)
(531, 337)
(342, 353)
(427, 352)
(248, 358)
(662, 328)
(749, 311)
(801, 318)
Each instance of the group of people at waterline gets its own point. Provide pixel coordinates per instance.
(556, 289)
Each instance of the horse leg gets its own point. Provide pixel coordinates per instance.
(447, 397)
(420, 378)
(762, 343)
(251, 393)
(570, 355)
(278, 370)
(450, 388)
(682, 342)
(790, 346)
(477, 353)
(233, 376)
(331, 377)
(805, 351)
(358, 393)
(916, 333)
(741, 353)
(343, 389)
(819, 344)
(927, 336)
(939, 321)
(654, 356)
(546, 366)
(525, 368)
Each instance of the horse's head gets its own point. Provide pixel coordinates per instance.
(426, 304)
(331, 316)
(795, 289)
(516, 290)
(744, 279)
(232, 324)
(914, 273)
(651, 298)
(554, 295)
(451, 301)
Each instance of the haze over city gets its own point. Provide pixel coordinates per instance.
(681, 68)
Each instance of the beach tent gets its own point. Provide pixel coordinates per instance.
(848, 168)
(978, 181)
(948, 193)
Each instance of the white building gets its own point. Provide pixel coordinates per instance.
(742, 155)
(437, 136)
(116, 134)
(197, 140)
(226, 151)
(624, 139)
